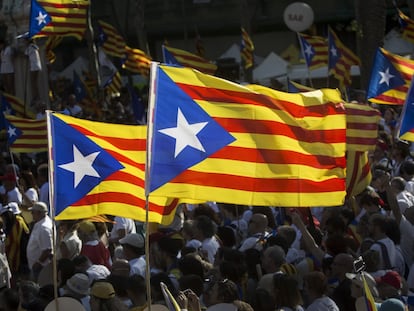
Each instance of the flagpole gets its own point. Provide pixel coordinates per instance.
(151, 107)
(52, 206)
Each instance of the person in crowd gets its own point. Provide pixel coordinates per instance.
(70, 245)
(342, 264)
(404, 198)
(95, 272)
(102, 298)
(40, 245)
(121, 227)
(17, 234)
(35, 66)
(43, 182)
(28, 188)
(257, 231)
(316, 288)
(9, 299)
(357, 287)
(286, 293)
(407, 172)
(92, 247)
(204, 231)
(133, 246)
(72, 107)
(78, 287)
(136, 290)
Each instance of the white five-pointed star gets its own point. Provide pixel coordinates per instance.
(185, 134)
(81, 166)
(386, 76)
(41, 19)
(12, 131)
(308, 50)
(7, 111)
(334, 51)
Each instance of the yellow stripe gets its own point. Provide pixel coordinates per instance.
(252, 198)
(246, 169)
(257, 141)
(361, 133)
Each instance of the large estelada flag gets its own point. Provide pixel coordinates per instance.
(215, 140)
(183, 58)
(26, 135)
(39, 18)
(68, 18)
(314, 50)
(98, 168)
(390, 78)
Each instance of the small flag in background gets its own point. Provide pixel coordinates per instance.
(199, 46)
(183, 58)
(138, 106)
(69, 18)
(136, 61)
(358, 172)
(407, 26)
(51, 43)
(26, 135)
(80, 89)
(369, 299)
(39, 18)
(12, 105)
(98, 168)
(269, 147)
(246, 49)
(390, 78)
(341, 59)
(314, 50)
(407, 117)
(112, 42)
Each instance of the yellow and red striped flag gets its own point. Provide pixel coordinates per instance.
(314, 50)
(136, 61)
(212, 139)
(98, 168)
(69, 18)
(361, 127)
(11, 104)
(341, 59)
(115, 84)
(358, 172)
(51, 43)
(407, 26)
(186, 59)
(112, 42)
(26, 135)
(246, 49)
(390, 78)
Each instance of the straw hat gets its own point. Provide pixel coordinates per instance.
(64, 304)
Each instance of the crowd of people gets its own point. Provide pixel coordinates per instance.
(214, 256)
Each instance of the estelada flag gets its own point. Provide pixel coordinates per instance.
(99, 168)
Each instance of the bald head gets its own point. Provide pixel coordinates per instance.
(258, 223)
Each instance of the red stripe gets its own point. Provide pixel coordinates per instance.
(361, 141)
(278, 128)
(125, 198)
(362, 126)
(29, 146)
(390, 99)
(278, 157)
(131, 144)
(61, 6)
(262, 185)
(227, 96)
(355, 169)
(32, 136)
(360, 112)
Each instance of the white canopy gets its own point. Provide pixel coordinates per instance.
(273, 66)
(80, 64)
(394, 43)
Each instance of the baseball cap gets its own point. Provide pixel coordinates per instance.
(103, 290)
(133, 239)
(39, 206)
(391, 278)
(13, 207)
(87, 226)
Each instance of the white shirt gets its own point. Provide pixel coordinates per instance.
(14, 195)
(323, 304)
(41, 238)
(32, 194)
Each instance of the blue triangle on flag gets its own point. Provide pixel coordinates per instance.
(39, 18)
(407, 119)
(305, 47)
(13, 132)
(171, 103)
(334, 52)
(169, 57)
(384, 76)
(71, 186)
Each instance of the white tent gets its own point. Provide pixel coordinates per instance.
(273, 66)
(394, 43)
(300, 72)
(234, 52)
(80, 64)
